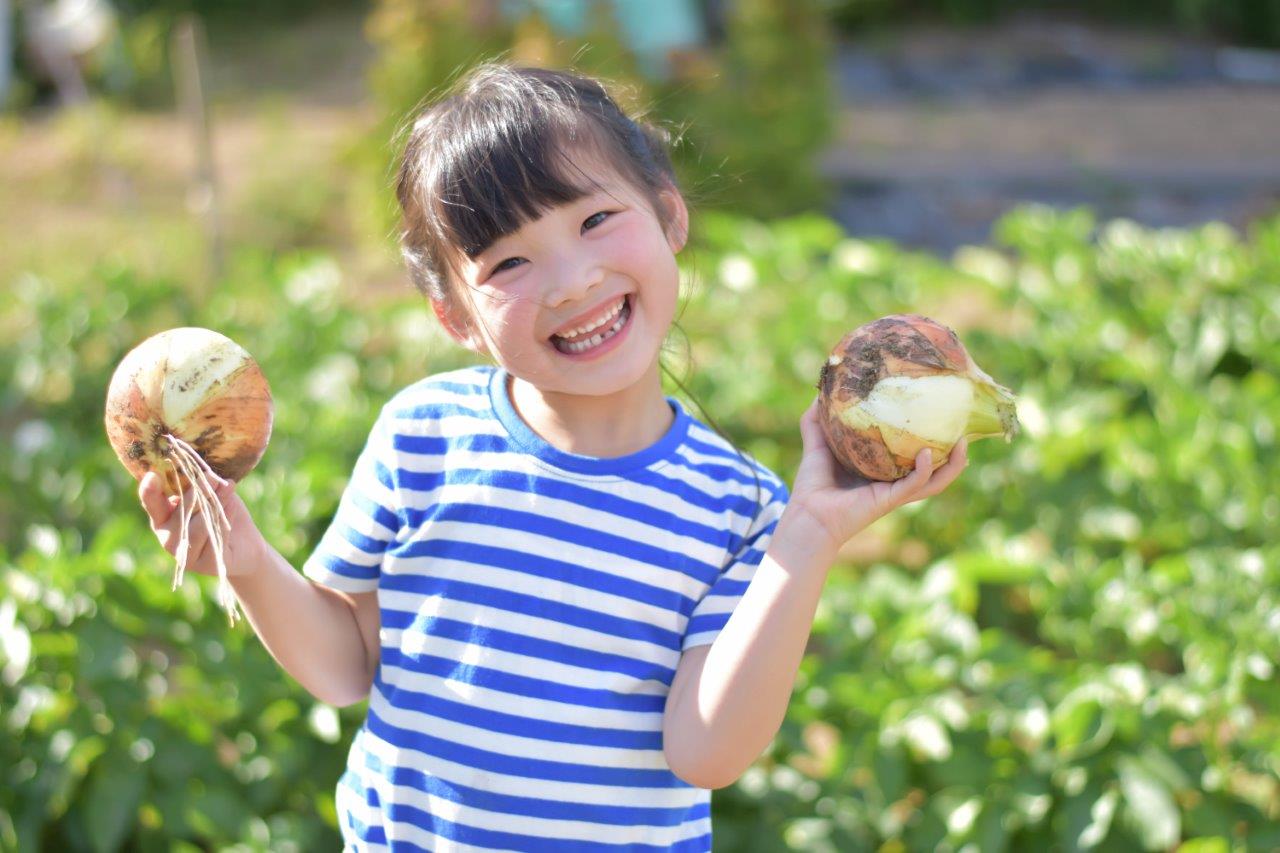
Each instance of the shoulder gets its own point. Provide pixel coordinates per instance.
(463, 392)
(707, 452)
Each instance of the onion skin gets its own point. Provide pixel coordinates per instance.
(901, 345)
(199, 386)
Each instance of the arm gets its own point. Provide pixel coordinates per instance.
(326, 639)
(728, 700)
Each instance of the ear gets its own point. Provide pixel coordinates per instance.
(677, 218)
(457, 326)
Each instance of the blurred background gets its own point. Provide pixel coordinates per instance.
(1074, 648)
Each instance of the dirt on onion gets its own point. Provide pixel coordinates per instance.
(186, 403)
(901, 384)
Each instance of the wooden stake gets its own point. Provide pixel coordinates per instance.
(188, 52)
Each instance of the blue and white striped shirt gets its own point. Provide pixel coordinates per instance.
(534, 607)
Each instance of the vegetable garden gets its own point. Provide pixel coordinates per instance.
(1072, 648)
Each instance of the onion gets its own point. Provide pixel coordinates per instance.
(901, 384)
(185, 403)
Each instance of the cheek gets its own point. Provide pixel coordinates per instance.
(651, 262)
(510, 324)
(663, 276)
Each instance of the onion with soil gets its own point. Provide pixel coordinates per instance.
(185, 403)
(901, 384)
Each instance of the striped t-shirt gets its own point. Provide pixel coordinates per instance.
(534, 607)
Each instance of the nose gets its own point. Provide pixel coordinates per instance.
(573, 277)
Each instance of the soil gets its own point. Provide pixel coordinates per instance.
(943, 131)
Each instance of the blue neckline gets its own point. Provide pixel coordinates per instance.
(530, 442)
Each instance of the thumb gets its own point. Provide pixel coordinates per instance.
(811, 434)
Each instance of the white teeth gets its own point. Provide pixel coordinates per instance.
(609, 318)
(596, 340)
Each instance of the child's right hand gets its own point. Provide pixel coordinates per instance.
(242, 542)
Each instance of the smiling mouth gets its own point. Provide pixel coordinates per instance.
(588, 339)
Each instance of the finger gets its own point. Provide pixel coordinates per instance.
(957, 461)
(151, 493)
(196, 551)
(197, 537)
(817, 462)
(924, 466)
(170, 530)
(947, 474)
(907, 489)
(811, 433)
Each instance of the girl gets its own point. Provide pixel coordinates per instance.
(574, 608)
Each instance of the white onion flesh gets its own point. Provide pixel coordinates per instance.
(936, 408)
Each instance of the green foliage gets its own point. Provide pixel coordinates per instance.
(1073, 648)
(133, 717)
(762, 117)
(750, 116)
(238, 13)
(1087, 656)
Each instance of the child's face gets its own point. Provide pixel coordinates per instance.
(579, 301)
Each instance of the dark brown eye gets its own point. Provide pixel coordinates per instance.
(594, 219)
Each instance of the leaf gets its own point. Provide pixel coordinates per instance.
(968, 761)
(1149, 805)
(277, 714)
(991, 834)
(1161, 765)
(111, 800)
(1087, 819)
(100, 651)
(981, 567)
(15, 644)
(927, 737)
(324, 723)
(219, 809)
(1081, 724)
(177, 759)
(890, 769)
(1216, 844)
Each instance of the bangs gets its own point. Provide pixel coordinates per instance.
(502, 168)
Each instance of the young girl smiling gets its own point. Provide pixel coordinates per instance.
(573, 607)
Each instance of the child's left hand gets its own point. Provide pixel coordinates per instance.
(844, 504)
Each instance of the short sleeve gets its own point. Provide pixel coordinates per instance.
(713, 611)
(349, 556)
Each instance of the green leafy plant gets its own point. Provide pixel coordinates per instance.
(1084, 657)
(1073, 648)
